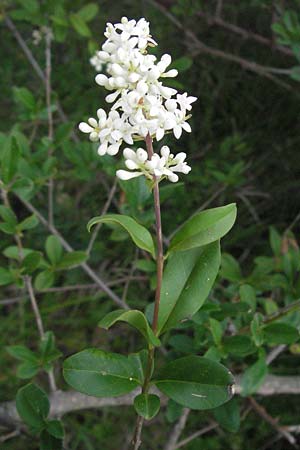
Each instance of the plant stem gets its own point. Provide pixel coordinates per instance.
(136, 441)
(159, 238)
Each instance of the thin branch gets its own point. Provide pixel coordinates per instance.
(68, 247)
(219, 8)
(63, 402)
(203, 206)
(275, 353)
(75, 287)
(9, 23)
(177, 430)
(245, 34)
(104, 211)
(260, 410)
(37, 68)
(196, 435)
(203, 48)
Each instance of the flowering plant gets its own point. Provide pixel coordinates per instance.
(143, 109)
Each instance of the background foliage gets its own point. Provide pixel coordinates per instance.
(244, 149)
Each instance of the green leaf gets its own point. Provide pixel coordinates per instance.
(28, 223)
(72, 259)
(25, 97)
(204, 227)
(33, 406)
(182, 343)
(228, 415)
(31, 6)
(254, 377)
(187, 281)
(135, 318)
(10, 158)
(6, 277)
(27, 369)
(280, 333)
(147, 405)
(7, 228)
(88, 12)
(182, 64)
(295, 73)
(44, 280)
(101, 374)
(216, 330)
(48, 350)
(139, 363)
(275, 241)
(31, 262)
(248, 295)
(230, 268)
(174, 411)
(49, 442)
(256, 329)
(79, 25)
(21, 352)
(8, 215)
(54, 249)
(55, 428)
(195, 382)
(13, 252)
(139, 234)
(238, 345)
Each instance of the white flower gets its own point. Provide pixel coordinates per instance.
(97, 61)
(140, 103)
(159, 167)
(109, 130)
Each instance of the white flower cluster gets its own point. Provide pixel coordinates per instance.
(142, 105)
(159, 167)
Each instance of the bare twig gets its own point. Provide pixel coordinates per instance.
(273, 422)
(196, 435)
(130, 276)
(68, 247)
(177, 430)
(203, 48)
(219, 8)
(11, 435)
(274, 353)
(69, 401)
(203, 206)
(250, 207)
(245, 34)
(37, 68)
(104, 211)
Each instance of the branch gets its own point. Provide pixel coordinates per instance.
(261, 411)
(70, 401)
(245, 34)
(203, 48)
(177, 430)
(87, 269)
(37, 68)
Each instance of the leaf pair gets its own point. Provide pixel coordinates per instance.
(58, 260)
(32, 362)
(192, 381)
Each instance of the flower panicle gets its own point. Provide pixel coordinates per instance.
(140, 103)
